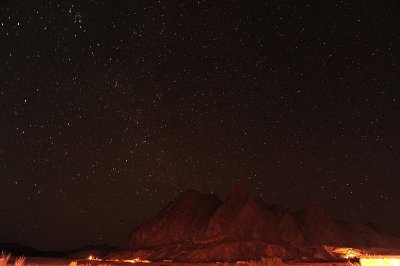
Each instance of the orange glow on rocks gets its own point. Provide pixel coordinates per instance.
(381, 261)
(137, 260)
(348, 253)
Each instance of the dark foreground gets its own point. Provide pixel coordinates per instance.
(34, 261)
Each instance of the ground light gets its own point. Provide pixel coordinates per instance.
(380, 261)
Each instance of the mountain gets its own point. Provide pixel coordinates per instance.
(199, 228)
(180, 221)
(20, 250)
(83, 252)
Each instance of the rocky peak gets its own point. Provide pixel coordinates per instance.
(197, 227)
(180, 221)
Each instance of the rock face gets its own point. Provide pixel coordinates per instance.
(180, 221)
(200, 228)
(320, 228)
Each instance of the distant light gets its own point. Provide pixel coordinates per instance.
(384, 261)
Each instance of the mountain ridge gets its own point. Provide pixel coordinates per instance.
(198, 227)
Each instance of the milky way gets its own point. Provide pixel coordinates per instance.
(109, 109)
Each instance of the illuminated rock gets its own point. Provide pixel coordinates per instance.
(199, 228)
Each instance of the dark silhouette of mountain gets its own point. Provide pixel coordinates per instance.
(20, 250)
(89, 250)
(198, 228)
(83, 252)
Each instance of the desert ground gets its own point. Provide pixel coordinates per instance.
(34, 261)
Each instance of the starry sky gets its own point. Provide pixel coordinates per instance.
(109, 109)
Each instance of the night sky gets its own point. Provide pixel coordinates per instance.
(109, 109)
